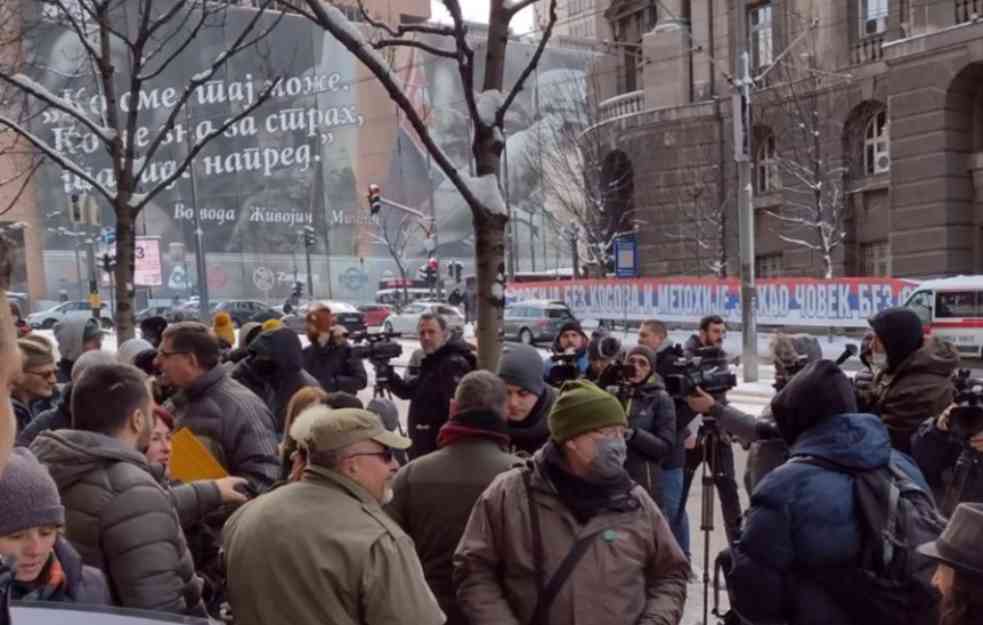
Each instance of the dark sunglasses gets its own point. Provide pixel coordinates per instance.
(386, 454)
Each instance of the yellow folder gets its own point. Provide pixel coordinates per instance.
(191, 460)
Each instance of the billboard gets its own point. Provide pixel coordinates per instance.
(148, 268)
(837, 302)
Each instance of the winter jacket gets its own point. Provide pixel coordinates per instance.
(233, 423)
(83, 584)
(431, 391)
(937, 453)
(57, 418)
(335, 368)
(529, 435)
(286, 377)
(122, 520)
(22, 414)
(803, 518)
(633, 571)
(321, 551)
(652, 419)
(69, 334)
(433, 498)
(916, 389)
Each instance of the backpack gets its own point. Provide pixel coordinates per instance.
(892, 582)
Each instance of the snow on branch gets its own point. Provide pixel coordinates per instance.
(531, 66)
(402, 29)
(487, 191)
(37, 90)
(412, 43)
(489, 103)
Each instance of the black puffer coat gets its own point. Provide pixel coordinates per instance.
(652, 419)
(335, 368)
(233, 423)
(122, 520)
(430, 392)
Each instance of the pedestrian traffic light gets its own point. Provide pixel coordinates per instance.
(375, 199)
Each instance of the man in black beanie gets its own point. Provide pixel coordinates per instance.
(913, 373)
(530, 398)
(570, 340)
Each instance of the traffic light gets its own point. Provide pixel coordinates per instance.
(432, 271)
(107, 263)
(309, 240)
(298, 289)
(375, 199)
(75, 209)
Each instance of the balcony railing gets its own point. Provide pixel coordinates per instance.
(625, 104)
(968, 10)
(869, 49)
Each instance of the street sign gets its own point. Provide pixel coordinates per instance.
(149, 271)
(626, 256)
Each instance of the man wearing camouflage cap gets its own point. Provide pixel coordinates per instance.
(322, 550)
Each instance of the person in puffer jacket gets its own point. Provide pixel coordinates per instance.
(651, 422)
(803, 518)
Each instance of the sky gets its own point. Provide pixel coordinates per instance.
(477, 11)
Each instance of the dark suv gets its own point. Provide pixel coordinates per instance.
(535, 321)
(243, 310)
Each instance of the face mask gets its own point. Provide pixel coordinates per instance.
(609, 457)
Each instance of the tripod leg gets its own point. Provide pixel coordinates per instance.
(710, 443)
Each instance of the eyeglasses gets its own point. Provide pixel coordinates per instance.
(166, 354)
(386, 454)
(48, 374)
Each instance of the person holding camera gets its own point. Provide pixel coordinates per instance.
(446, 359)
(913, 373)
(949, 451)
(329, 356)
(707, 344)
(651, 433)
(569, 358)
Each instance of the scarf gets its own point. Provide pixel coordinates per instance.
(452, 432)
(49, 585)
(585, 497)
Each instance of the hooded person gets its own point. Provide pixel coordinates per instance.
(130, 349)
(276, 362)
(75, 336)
(224, 330)
(530, 399)
(329, 357)
(912, 379)
(59, 416)
(569, 340)
(247, 334)
(803, 522)
(152, 330)
(46, 566)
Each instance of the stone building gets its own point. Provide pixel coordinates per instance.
(866, 141)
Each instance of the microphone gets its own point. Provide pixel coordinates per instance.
(848, 352)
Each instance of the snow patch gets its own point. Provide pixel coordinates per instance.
(336, 17)
(137, 199)
(202, 76)
(42, 93)
(486, 190)
(488, 104)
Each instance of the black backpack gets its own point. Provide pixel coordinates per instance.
(892, 582)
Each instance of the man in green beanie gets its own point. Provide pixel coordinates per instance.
(572, 503)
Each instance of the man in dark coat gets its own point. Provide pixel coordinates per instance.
(276, 364)
(446, 361)
(530, 398)
(329, 356)
(912, 382)
(433, 495)
(803, 517)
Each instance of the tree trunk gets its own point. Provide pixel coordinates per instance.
(490, 265)
(125, 273)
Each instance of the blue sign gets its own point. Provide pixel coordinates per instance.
(626, 256)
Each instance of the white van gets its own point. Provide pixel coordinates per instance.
(952, 308)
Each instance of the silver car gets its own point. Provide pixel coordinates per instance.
(406, 321)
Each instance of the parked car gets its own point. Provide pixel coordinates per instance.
(535, 321)
(243, 310)
(46, 319)
(375, 314)
(406, 321)
(346, 315)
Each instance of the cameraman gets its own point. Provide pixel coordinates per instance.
(913, 379)
(711, 335)
(950, 454)
(329, 356)
(446, 360)
(651, 420)
(572, 342)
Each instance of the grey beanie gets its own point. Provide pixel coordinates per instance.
(386, 411)
(522, 366)
(647, 352)
(89, 359)
(128, 351)
(28, 495)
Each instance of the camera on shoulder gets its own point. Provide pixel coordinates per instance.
(706, 369)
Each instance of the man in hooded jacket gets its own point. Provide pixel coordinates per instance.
(803, 523)
(913, 374)
(75, 336)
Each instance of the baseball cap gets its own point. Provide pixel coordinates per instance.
(324, 429)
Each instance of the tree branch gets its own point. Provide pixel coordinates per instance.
(32, 88)
(465, 63)
(518, 6)
(412, 43)
(23, 187)
(403, 29)
(531, 66)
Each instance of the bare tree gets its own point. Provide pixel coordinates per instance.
(487, 108)
(125, 45)
(395, 232)
(702, 225)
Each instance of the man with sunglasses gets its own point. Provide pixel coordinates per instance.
(37, 379)
(322, 550)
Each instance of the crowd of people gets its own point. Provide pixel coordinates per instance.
(546, 491)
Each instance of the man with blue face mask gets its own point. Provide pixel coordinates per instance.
(569, 538)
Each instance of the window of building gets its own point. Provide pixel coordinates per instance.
(769, 266)
(760, 35)
(877, 139)
(873, 17)
(876, 259)
(766, 178)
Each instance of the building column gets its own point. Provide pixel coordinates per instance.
(976, 170)
(667, 65)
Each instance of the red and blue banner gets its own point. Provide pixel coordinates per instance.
(836, 302)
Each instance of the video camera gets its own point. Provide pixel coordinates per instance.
(379, 350)
(707, 369)
(966, 418)
(564, 368)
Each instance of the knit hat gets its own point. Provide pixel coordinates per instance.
(522, 366)
(270, 324)
(583, 407)
(819, 391)
(647, 352)
(37, 352)
(900, 330)
(28, 495)
(91, 359)
(247, 332)
(223, 328)
(129, 350)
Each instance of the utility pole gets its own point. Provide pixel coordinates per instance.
(204, 308)
(310, 241)
(745, 196)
